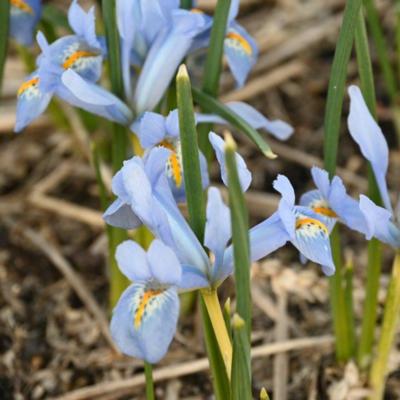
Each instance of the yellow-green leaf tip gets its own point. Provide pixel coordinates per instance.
(270, 154)
(230, 143)
(227, 305)
(237, 321)
(264, 394)
(182, 72)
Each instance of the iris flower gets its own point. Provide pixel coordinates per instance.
(382, 222)
(69, 68)
(152, 299)
(24, 16)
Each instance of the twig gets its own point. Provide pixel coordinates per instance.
(125, 386)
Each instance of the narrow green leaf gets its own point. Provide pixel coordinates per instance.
(186, 4)
(381, 48)
(348, 279)
(4, 21)
(227, 316)
(213, 67)
(241, 364)
(332, 121)
(214, 106)
(190, 153)
(365, 344)
(337, 81)
(240, 235)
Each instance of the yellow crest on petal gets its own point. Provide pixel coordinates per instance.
(235, 39)
(22, 5)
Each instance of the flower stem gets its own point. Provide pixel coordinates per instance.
(390, 320)
(210, 298)
(148, 372)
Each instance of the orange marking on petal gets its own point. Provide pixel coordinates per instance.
(147, 296)
(22, 5)
(27, 85)
(326, 211)
(174, 162)
(304, 221)
(241, 40)
(69, 62)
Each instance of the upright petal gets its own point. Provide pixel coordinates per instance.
(368, 135)
(286, 204)
(241, 52)
(219, 147)
(150, 129)
(218, 225)
(132, 261)
(144, 321)
(93, 98)
(32, 101)
(83, 24)
(164, 264)
(321, 180)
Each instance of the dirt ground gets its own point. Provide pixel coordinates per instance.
(54, 341)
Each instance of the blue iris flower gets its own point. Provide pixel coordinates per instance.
(24, 16)
(69, 68)
(179, 262)
(240, 49)
(382, 222)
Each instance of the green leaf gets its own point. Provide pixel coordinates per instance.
(186, 4)
(241, 365)
(190, 153)
(55, 16)
(4, 21)
(214, 106)
(374, 247)
(332, 121)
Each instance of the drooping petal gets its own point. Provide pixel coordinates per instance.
(93, 98)
(32, 101)
(120, 215)
(24, 15)
(144, 321)
(241, 52)
(218, 225)
(83, 24)
(219, 147)
(280, 129)
(312, 239)
(164, 264)
(368, 135)
(379, 223)
(132, 261)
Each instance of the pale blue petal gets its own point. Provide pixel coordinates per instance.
(150, 338)
(132, 261)
(368, 135)
(193, 279)
(164, 263)
(241, 52)
(321, 180)
(23, 21)
(280, 129)
(93, 98)
(312, 239)
(379, 223)
(218, 225)
(120, 215)
(83, 24)
(219, 147)
(32, 101)
(172, 124)
(286, 204)
(150, 129)
(233, 10)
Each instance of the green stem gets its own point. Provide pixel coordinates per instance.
(148, 372)
(332, 127)
(213, 67)
(187, 4)
(364, 350)
(389, 325)
(4, 21)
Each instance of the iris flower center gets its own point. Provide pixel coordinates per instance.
(75, 56)
(174, 165)
(146, 299)
(238, 40)
(31, 83)
(310, 226)
(22, 5)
